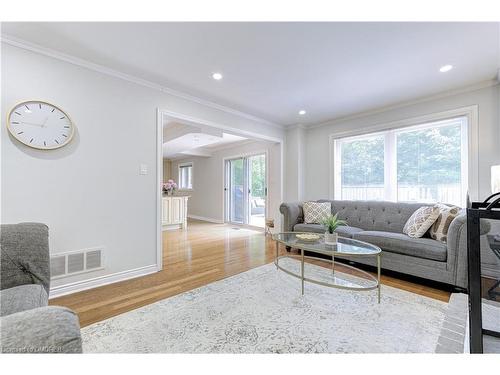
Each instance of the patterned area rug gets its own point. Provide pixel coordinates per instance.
(491, 320)
(262, 311)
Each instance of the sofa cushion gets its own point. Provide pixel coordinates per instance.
(447, 213)
(315, 212)
(21, 298)
(25, 255)
(50, 329)
(375, 215)
(344, 231)
(316, 228)
(421, 220)
(400, 243)
(347, 231)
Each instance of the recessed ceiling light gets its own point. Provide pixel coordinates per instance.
(302, 112)
(446, 68)
(217, 76)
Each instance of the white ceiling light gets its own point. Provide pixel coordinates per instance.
(217, 76)
(446, 68)
(302, 112)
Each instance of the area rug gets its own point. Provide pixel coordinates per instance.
(262, 311)
(491, 321)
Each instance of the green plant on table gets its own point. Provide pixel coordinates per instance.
(332, 222)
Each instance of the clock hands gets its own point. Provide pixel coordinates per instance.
(32, 123)
(43, 125)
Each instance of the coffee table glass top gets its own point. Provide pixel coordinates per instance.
(344, 246)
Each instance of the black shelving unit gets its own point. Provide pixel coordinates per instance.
(489, 209)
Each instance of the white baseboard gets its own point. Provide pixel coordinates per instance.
(78, 286)
(202, 218)
(250, 227)
(171, 227)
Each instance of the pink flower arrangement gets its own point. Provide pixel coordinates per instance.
(169, 187)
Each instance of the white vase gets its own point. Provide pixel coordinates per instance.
(331, 238)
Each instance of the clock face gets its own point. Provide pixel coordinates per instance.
(40, 125)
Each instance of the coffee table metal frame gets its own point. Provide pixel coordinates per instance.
(329, 250)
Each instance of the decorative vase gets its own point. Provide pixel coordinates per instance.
(331, 238)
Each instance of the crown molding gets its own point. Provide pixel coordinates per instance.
(444, 94)
(32, 47)
(297, 126)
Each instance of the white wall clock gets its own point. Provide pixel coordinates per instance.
(40, 125)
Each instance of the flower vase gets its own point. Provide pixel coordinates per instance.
(331, 238)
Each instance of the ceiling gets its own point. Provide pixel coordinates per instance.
(181, 140)
(273, 70)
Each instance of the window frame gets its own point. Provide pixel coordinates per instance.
(179, 168)
(469, 143)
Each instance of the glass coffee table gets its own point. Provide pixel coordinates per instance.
(345, 248)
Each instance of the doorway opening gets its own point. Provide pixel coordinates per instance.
(195, 237)
(245, 187)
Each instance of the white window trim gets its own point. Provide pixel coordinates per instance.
(185, 164)
(471, 166)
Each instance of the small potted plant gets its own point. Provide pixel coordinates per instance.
(169, 187)
(331, 223)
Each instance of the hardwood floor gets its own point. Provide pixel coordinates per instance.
(203, 254)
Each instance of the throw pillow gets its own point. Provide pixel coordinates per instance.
(315, 212)
(420, 221)
(439, 230)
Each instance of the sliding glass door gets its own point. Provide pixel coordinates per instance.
(257, 190)
(246, 190)
(237, 191)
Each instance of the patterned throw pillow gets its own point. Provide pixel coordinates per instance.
(315, 213)
(439, 230)
(421, 221)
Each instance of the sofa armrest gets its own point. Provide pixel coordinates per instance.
(24, 255)
(292, 213)
(50, 329)
(457, 246)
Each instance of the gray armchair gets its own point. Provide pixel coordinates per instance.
(27, 324)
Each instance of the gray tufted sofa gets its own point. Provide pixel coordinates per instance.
(381, 223)
(27, 324)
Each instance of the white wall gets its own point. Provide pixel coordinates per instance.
(295, 140)
(90, 193)
(317, 139)
(207, 196)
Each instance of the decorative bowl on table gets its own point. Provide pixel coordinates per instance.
(308, 237)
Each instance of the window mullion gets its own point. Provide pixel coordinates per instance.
(337, 182)
(390, 167)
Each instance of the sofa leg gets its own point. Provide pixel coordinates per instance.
(288, 248)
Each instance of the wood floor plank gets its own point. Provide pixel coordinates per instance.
(204, 253)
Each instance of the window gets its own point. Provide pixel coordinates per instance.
(362, 168)
(186, 176)
(424, 163)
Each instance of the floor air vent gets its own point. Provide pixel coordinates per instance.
(75, 262)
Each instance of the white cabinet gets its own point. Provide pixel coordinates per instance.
(165, 211)
(174, 212)
(177, 211)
